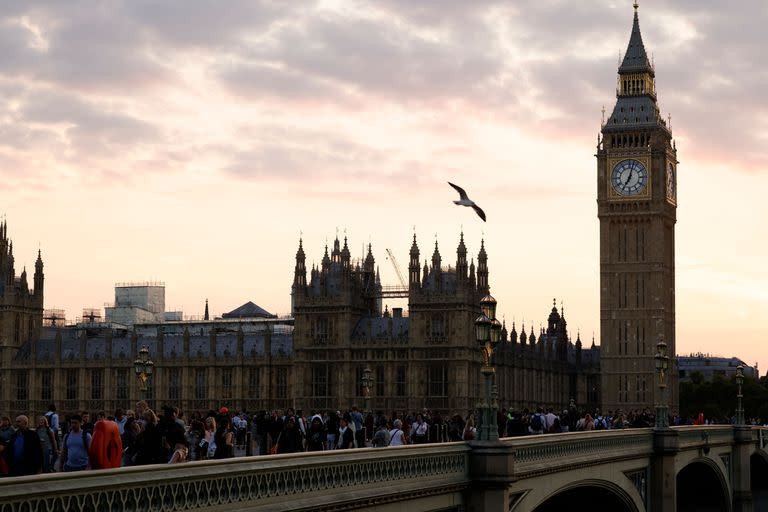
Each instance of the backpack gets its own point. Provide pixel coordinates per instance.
(85, 439)
(537, 423)
(600, 424)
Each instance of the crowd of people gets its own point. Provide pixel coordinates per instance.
(139, 436)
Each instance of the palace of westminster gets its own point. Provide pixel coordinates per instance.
(425, 357)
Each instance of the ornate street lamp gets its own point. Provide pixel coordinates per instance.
(143, 367)
(739, 396)
(366, 382)
(488, 334)
(662, 363)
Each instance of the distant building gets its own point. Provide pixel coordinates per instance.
(712, 366)
(137, 303)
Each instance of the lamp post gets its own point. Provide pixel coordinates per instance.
(739, 396)
(143, 366)
(662, 363)
(367, 382)
(488, 335)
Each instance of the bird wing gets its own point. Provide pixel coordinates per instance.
(460, 190)
(479, 211)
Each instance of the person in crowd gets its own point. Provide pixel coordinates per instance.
(87, 424)
(355, 421)
(381, 438)
(194, 438)
(316, 438)
(131, 430)
(346, 435)
(53, 419)
(208, 444)
(48, 443)
(170, 430)
(260, 434)
(470, 431)
(106, 449)
(141, 406)
(397, 436)
(332, 429)
(150, 446)
(180, 453)
(120, 419)
(589, 423)
(538, 422)
(419, 430)
(74, 446)
(224, 439)
(3, 463)
(24, 454)
(6, 429)
(290, 439)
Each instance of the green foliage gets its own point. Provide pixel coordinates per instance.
(717, 399)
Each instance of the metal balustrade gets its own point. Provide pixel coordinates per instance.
(251, 480)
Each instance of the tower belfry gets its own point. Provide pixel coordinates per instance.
(637, 202)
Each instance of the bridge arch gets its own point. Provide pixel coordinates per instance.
(701, 487)
(608, 495)
(758, 470)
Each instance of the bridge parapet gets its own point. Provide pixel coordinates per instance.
(534, 455)
(704, 436)
(334, 480)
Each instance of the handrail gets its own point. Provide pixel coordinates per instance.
(253, 480)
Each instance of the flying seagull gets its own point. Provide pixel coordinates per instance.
(466, 201)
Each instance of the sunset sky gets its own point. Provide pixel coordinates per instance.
(192, 141)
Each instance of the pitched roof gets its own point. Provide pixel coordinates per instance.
(248, 310)
(636, 59)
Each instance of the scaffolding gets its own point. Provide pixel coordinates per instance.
(54, 318)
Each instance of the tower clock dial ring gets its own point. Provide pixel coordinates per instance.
(629, 177)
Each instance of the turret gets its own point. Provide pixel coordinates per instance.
(578, 348)
(39, 277)
(345, 257)
(461, 262)
(300, 271)
(414, 277)
(513, 333)
(206, 316)
(482, 271)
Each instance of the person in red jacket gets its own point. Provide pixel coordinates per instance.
(106, 450)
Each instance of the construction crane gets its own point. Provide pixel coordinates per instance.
(397, 269)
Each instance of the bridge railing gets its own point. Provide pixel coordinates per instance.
(283, 481)
(536, 454)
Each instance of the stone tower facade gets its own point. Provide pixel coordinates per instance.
(423, 358)
(21, 315)
(637, 202)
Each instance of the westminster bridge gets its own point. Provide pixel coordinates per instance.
(701, 468)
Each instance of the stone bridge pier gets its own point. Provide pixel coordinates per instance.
(682, 469)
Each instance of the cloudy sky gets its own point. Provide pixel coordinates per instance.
(192, 141)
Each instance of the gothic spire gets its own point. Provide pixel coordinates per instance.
(206, 316)
(636, 58)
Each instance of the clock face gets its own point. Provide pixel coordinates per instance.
(671, 182)
(629, 178)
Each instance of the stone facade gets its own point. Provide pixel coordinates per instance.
(424, 357)
(637, 203)
(21, 315)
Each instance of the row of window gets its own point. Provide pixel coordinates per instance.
(437, 381)
(640, 388)
(122, 383)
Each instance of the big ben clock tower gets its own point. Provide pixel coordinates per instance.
(637, 202)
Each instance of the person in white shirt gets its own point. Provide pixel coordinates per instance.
(396, 434)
